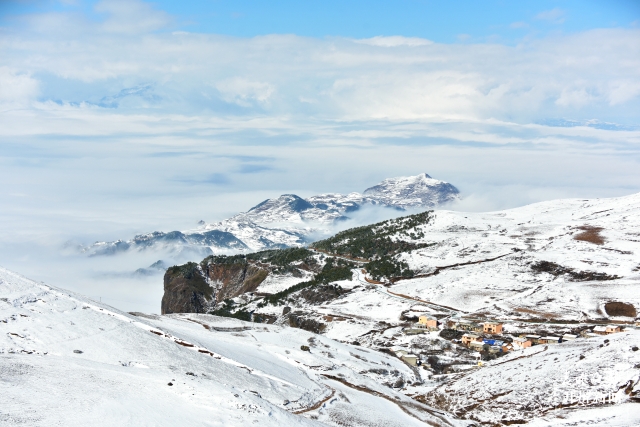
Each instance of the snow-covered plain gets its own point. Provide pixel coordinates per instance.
(67, 360)
(524, 236)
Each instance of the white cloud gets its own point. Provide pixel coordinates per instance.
(17, 89)
(245, 93)
(518, 25)
(131, 16)
(395, 41)
(554, 15)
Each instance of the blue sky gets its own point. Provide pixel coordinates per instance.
(440, 21)
(123, 116)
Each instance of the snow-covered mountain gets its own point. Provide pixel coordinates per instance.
(412, 191)
(559, 268)
(68, 360)
(287, 221)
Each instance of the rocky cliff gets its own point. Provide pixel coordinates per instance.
(196, 288)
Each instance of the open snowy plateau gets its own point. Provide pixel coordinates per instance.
(67, 360)
(287, 221)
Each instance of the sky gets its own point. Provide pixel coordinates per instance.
(124, 117)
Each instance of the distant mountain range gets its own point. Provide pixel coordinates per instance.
(287, 221)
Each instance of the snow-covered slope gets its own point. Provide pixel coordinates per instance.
(552, 383)
(287, 221)
(557, 259)
(67, 360)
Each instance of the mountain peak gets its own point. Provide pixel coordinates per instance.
(413, 191)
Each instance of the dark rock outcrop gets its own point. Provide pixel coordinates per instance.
(302, 320)
(186, 290)
(194, 288)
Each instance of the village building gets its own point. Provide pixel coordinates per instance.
(550, 340)
(410, 359)
(491, 342)
(613, 329)
(477, 345)
(430, 322)
(535, 339)
(468, 326)
(600, 330)
(569, 337)
(521, 342)
(495, 349)
(468, 338)
(492, 328)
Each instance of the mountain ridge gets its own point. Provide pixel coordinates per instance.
(285, 221)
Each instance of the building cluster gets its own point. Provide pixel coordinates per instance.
(424, 324)
(478, 336)
(481, 336)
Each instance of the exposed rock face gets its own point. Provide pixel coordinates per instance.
(302, 320)
(186, 290)
(193, 288)
(232, 280)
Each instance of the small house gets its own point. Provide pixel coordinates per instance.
(410, 359)
(550, 340)
(491, 342)
(600, 330)
(521, 342)
(492, 328)
(469, 338)
(535, 339)
(468, 326)
(613, 329)
(477, 345)
(569, 337)
(430, 322)
(495, 349)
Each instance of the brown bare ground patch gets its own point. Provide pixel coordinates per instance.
(616, 308)
(590, 234)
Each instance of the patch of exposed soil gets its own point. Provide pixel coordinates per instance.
(590, 234)
(616, 308)
(573, 275)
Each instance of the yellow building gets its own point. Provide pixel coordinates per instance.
(492, 328)
(430, 322)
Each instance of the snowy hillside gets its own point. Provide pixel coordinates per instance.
(558, 269)
(555, 384)
(287, 221)
(67, 360)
